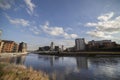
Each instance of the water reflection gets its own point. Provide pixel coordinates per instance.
(15, 60)
(73, 68)
(18, 60)
(82, 63)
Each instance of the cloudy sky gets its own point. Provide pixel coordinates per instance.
(38, 22)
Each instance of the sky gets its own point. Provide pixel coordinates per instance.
(40, 22)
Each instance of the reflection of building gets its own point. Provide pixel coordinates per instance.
(9, 46)
(82, 62)
(18, 60)
(22, 47)
(80, 44)
(52, 59)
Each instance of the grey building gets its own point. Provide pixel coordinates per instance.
(80, 44)
(22, 47)
(51, 46)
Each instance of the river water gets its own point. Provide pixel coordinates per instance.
(73, 68)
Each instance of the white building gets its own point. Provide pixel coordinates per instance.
(80, 44)
(51, 46)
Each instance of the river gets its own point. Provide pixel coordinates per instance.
(73, 68)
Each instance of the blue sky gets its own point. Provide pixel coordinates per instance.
(39, 22)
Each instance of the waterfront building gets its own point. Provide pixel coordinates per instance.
(101, 44)
(16, 46)
(45, 48)
(22, 47)
(1, 45)
(62, 48)
(9, 46)
(80, 44)
(57, 48)
(70, 49)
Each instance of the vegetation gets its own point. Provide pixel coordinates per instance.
(18, 72)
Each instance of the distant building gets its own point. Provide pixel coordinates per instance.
(70, 49)
(80, 44)
(101, 44)
(57, 48)
(22, 47)
(9, 46)
(52, 46)
(62, 48)
(45, 48)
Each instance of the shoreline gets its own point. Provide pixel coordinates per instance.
(79, 53)
(4, 55)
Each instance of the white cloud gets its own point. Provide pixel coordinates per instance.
(73, 35)
(30, 6)
(18, 21)
(25, 23)
(68, 29)
(106, 26)
(35, 30)
(106, 17)
(99, 34)
(57, 31)
(5, 4)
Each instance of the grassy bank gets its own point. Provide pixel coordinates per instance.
(19, 72)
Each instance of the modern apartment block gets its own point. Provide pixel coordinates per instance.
(9, 46)
(80, 44)
(22, 47)
(102, 43)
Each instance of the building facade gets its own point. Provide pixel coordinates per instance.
(51, 46)
(45, 48)
(1, 45)
(80, 44)
(57, 48)
(22, 47)
(101, 44)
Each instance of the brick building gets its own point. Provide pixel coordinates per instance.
(9, 46)
(101, 44)
(1, 45)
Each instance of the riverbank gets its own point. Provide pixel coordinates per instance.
(19, 72)
(79, 53)
(5, 55)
